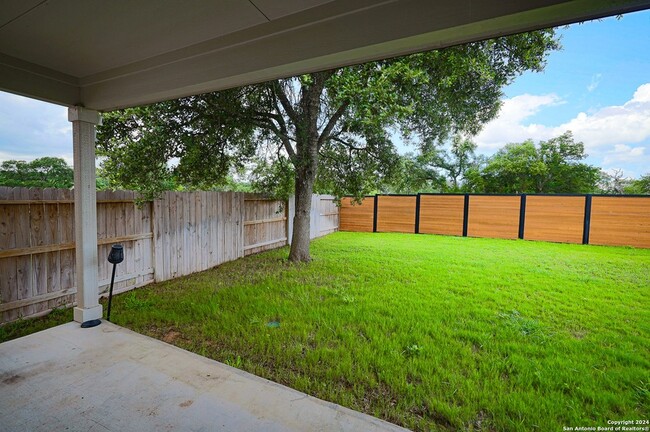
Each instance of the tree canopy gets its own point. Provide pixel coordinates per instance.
(327, 130)
(640, 186)
(552, 166)
(438, 168)
(45, 172)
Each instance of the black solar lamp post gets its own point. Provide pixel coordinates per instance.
(115, 257)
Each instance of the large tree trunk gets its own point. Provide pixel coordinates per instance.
(306, 163)
(301, 220)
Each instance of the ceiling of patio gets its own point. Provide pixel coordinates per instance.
(109, 54)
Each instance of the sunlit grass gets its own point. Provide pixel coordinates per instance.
(430, 332)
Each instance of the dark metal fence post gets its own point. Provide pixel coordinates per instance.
(374, 216)
(587, 224)
(417, 214)
(465, 215)
(522, 216)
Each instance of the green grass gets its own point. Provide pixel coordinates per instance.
(429, 332)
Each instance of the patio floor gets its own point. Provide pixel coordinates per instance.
(108, 378)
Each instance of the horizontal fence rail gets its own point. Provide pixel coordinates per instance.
(612, 220)
(178, 234)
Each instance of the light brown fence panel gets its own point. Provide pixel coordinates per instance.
(235, 226)
(37, 255)
(327, 215)
(67, 271)
(441, 214)
(8, 266)
(357, 217)
(554, 218)
(493, 216)
(23, 240)
(620, 221)
(178, 234)
(396, 214)
(196, 230)
(265, 224)
(121, 221)
(37, 234)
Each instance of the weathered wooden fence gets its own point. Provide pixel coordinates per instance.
(179, 234)
(587, 219)
(325, 216)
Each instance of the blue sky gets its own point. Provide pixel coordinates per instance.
(598, 87)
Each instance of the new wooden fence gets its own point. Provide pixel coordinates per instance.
(179, 234)
(587, 219)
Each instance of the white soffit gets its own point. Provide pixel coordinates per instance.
(111, 54)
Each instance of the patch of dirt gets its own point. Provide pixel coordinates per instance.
(481, 423)
(171, 336)
(186, 403)
(14, 379)
(414, 380)
(579, 334)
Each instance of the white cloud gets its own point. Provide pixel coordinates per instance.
(595, 80)
(623, 154)
(633, 161)
(30, 129)
(616, 136)
(619, 124)
(609, 126)
(511, 127)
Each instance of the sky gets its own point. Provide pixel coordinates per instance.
(597, 86)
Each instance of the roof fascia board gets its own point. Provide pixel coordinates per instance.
(247, 63)
(27, 79)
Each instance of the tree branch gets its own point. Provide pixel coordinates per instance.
(284, 100)
(332, 122)
(282, 132)
(348, 145)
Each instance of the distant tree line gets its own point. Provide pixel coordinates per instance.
(553, 166)
(548, 167)
(45, 172)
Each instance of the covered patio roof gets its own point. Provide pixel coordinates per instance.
(104, 55)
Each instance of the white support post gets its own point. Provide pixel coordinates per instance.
(85, 213)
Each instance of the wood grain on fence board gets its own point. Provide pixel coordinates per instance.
(53, 236)
(23, 264)
(441, 214)
(8, 287)
(493, 216)
(554, 218)
(264, 224)
(328, 213)
(396, 214)
(357, 217)
(620, 221)
(67, 257)
(178, 234)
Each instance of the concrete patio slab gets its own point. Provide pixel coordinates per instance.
(108, 378)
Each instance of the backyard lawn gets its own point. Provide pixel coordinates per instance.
(428, 332)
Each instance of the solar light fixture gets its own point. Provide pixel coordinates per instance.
(115, 257)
